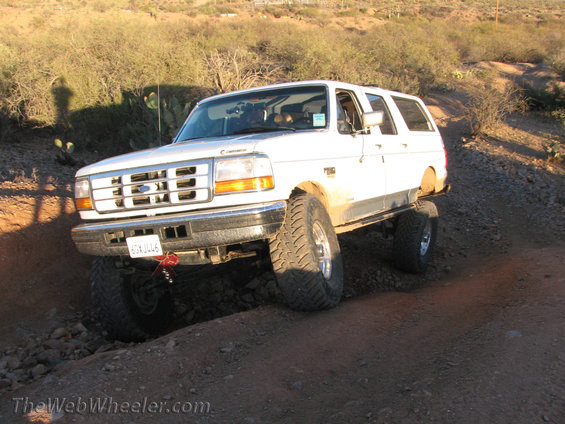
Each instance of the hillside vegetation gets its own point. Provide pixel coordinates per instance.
(85, 67)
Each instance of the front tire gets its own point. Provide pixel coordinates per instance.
(306, 256)
(127, 301)
(415, 237)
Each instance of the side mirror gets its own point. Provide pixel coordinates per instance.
(373, 119)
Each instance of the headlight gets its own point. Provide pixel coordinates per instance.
(82, 194)
(252, 173)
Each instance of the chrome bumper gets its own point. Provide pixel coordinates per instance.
(183, 231)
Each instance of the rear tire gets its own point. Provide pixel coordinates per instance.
(415, 237)
(306, 256)
(124, 302)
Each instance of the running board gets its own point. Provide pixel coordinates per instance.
(373, 219)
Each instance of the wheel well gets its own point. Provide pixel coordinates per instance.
(311, 188)
(428, 184)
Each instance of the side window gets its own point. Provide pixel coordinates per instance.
(377, 103)
(414, 116)
(348, 119)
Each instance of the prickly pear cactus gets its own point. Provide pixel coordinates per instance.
(67, 147)
(173, 113)
(65, 151)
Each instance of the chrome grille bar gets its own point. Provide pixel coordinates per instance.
(154, 186)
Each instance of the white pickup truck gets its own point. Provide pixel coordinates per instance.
(284, 167)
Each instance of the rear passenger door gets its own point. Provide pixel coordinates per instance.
(384, 145)
(406, 160)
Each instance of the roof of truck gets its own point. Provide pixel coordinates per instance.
(327, 83)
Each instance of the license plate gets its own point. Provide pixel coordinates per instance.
(143, 246)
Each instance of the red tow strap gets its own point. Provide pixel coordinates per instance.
(166, 264)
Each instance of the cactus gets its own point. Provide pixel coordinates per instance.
(173, 113)
(143, 132)
(139, 137)
(553, 150)
(67, 147)
(65, 151)
(151, 101)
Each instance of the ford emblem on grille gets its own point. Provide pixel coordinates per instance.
(144, 188)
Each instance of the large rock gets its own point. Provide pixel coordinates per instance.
(54, 344)
(38, 371)
(49, 356)
(59, 333)
(9, 362)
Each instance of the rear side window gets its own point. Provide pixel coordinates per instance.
(377, 103)
(414, 116)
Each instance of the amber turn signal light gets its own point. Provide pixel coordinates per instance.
(83, 203)
(247, 184)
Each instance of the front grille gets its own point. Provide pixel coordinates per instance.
(150, 187)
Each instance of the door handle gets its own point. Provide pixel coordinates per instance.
(404, 145)
(380, 146)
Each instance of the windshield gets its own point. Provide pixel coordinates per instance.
(282, 109)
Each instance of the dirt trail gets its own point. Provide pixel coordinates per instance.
(485, 345)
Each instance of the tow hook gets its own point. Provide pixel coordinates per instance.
(166, 264)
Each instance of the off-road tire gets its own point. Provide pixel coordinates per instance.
(297, 259)
(115, 307)
(415, 237)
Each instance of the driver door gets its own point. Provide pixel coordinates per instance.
(366, 194)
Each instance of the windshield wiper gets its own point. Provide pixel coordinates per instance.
(263, 129)
(195, 138)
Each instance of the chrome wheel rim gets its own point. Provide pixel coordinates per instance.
(323, 250)
(426, 238)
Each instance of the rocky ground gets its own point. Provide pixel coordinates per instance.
(478, 338)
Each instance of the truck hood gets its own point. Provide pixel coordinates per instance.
(178, 152)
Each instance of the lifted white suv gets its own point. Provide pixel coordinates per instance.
(286, 166)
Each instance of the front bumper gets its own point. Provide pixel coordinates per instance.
(183, 231)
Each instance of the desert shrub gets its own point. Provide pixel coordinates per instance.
(224, 9)
(351, 12)
(316, 15)
(276, 11)
(417, 54)
(512, 43)
(556, 56)
(236, 70)
(208, 10)
(559, 115)
(405, 57)
(8, 66)
(547, 98)
(309, 12)
(101, 5)
(554, 149)
(99, 63)
(88, 75)
(488, 107)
